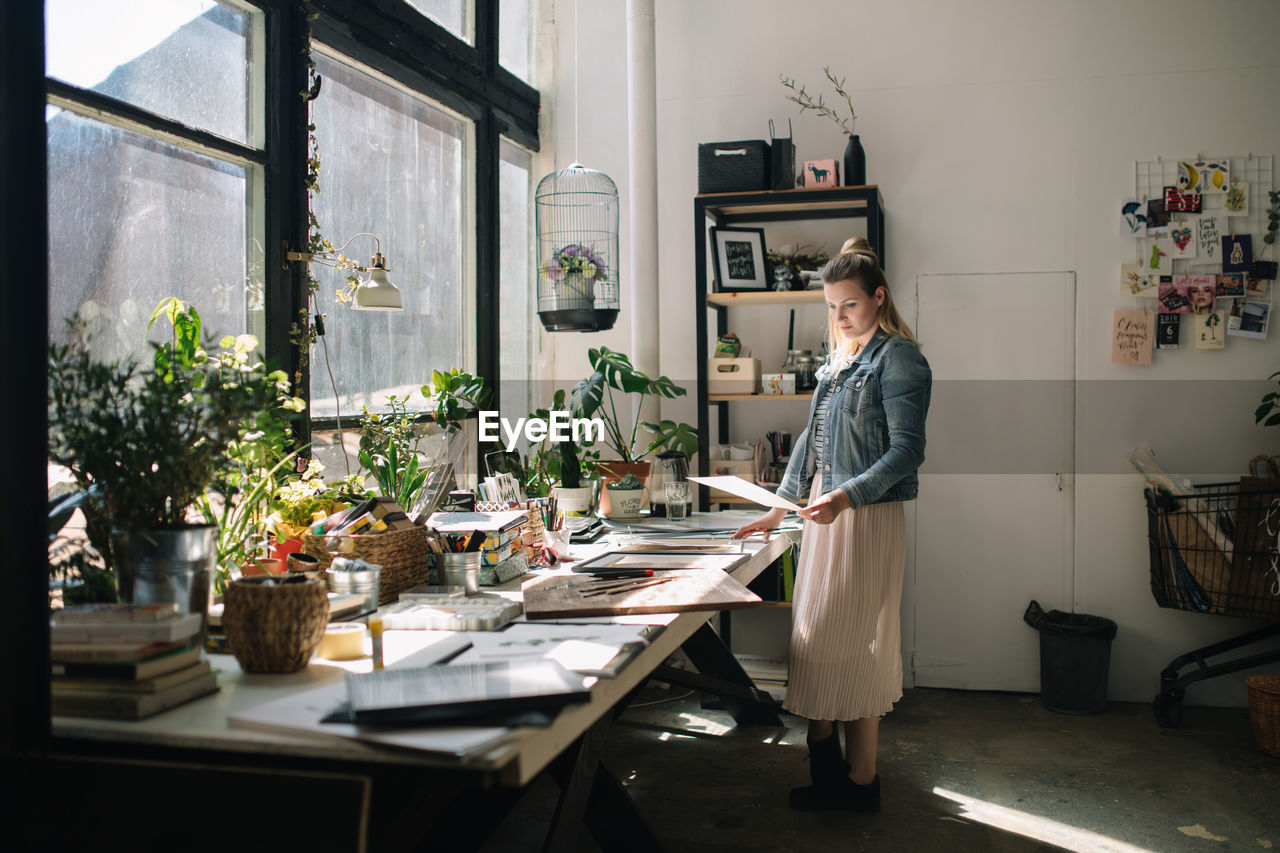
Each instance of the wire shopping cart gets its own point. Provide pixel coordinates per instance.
(1215, 550)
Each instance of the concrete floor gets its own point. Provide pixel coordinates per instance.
(959, 771)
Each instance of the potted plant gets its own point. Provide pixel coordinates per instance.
(562, 468)
(152, 439)
(594, 397)
(626, 497)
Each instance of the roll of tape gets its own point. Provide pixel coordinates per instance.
(342, 641)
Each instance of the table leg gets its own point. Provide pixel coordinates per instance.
(720, 673)
(592, 797)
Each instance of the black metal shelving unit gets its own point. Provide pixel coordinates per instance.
(723, 209)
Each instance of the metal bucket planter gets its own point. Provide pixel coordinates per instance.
(162, 566)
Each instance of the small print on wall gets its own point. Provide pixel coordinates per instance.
(1204, 176)
(1256, 288)
(1177, 201)
(1160, 259)
(1249, 319)
(1182, 235)
(1230, 284)
(1210, 239)
(1132, 337)
(1237, 253)
(1168, 327)
(1236, 201)
(1201, 291)
(1133, 218)
(1173, 296)
(1137, 280)
(1210, 330)
(821, 173)
(1157, 217)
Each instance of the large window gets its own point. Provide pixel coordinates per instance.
(520, 332)
(394, 165)
(144, 201)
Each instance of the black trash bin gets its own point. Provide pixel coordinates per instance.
(1075, 657)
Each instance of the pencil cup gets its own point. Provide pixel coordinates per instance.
(355, 577)
(461, 569)
(677, 494)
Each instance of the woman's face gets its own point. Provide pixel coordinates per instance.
(855, 314)
(1201, 298)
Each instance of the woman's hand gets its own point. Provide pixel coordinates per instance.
(825, 509)
(764, 523)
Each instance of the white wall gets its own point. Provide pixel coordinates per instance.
(1002, 134)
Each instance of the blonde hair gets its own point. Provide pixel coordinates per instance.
(858, 262)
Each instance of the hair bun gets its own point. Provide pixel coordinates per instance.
(859, 246)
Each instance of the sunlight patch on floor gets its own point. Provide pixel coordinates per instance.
(1037, 828)
(702, 724)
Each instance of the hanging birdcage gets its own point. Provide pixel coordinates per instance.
(577, 221)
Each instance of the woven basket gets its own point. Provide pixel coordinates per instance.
(1264, 711)
(274, 627)
(403, 554)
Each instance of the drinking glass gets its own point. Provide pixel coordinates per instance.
(677, 500)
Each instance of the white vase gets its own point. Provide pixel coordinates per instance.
(579, 501)
(625, 503)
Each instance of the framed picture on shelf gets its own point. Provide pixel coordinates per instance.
(738, 258)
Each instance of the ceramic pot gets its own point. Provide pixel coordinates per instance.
(626, 503)
(613, 470)
(579, 501)
(262, 566)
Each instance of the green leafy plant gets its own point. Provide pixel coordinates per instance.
(594, 396)
(453, 395)
(628, 481)
(1273, 218)
(1266, 413)
(563, 462)
(154, 440)
(806, 102)
(389, 451)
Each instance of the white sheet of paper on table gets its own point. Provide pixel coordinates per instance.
(744, 489)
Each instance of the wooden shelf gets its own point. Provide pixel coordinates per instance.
(784, 604)
(731, 398)
(767, 297)
(815, 203)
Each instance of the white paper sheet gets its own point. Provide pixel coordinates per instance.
(744, 489)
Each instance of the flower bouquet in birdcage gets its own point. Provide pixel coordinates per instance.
(575, 269)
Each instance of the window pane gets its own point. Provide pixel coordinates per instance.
(453, 15)
(515, 37)
(188, 60)
(391, 165)
(133, 220)
(518, 324)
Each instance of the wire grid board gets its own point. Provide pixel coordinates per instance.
(1152, 176)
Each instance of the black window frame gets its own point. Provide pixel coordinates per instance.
(388, 35)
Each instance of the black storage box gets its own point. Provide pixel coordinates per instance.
(726, 167)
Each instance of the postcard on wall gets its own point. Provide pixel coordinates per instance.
(1210, 239)
(1237, 253)
(1210, 330)
(1204, 176)
(1133, 218)
(1173, 296)
(1138, 281)
(1249, 319)
(1201, 291)
(1230, 284)
(1177, 201)
(1160, 259)
(1132, 337)
(1168, 327)
(1157, 217)
(1182, 235)
(1236, 201)
(1256, 288)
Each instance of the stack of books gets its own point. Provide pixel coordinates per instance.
(126, 661)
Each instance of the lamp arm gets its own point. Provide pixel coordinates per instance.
(326, 258)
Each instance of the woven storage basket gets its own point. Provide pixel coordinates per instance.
(403, 555)
(1264, 711)
(275, 627)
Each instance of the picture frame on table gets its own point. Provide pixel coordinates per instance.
(738, 258)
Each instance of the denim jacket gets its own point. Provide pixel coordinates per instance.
(874, 432)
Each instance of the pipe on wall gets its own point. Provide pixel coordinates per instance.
(642, 192)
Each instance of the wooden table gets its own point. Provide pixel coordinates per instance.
(381, 797)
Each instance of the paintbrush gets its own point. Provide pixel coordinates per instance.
(630, 587)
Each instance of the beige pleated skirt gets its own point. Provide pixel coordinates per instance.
(845, 660)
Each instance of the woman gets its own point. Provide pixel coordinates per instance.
(863, 444)
(1202, 297)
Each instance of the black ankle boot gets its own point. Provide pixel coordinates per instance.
(843, 796)
(826, 760)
